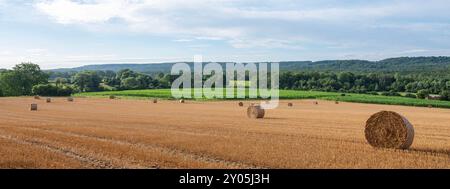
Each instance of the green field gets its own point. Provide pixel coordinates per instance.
(287, 94)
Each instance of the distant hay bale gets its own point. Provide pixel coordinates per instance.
(316, 103)
(336, 102)
(37, 97)
(70, 99)
(155, 101)
(255, 112)
(241, 104)
(112, 97)
(34, 107)
(290, 104)
(49, 100)
(430, 106)
(388, 129)
(182, 101)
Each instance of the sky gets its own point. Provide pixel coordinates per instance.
(71, 33)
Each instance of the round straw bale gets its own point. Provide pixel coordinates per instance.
(241, 104)
(155, 101)
(290, 104)
(112, 97)
(34, 107)
(49, 100)
(70, 99)
(37, 97)
(337, 102)
(388, 129)
(316, 103)
(255, 112)
(182, 101)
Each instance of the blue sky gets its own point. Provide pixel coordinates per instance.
(69, 33)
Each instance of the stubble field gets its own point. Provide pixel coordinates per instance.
(104, 133)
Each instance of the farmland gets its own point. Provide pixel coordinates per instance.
(134, 133)
(289, 94)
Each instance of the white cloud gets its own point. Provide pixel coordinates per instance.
(182, 40)
(71, 12)
(241, 24)
(6, 53)
(37, 52)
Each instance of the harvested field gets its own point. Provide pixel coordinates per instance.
(100, 133)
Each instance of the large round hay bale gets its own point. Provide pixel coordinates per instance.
(112, 97)
(290, 104)
(37, 97)
(34, 107)
(155, 101)
(255, 112)
(70, 99)
(182, 101)
(336, 102)
(316, 103)
(388, 129)
(241, 104)
(49, 100)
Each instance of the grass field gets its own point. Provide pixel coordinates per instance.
(290, 94)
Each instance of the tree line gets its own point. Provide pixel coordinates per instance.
(29, 79)
(372, 83)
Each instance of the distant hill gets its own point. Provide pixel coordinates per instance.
(161, 67)
(402, 64)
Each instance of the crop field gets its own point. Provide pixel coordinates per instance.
(290, 94)
(135, 133)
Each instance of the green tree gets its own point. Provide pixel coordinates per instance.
(30, 75)
(21, 79)
(60, 81)
(423, 93)
(445, 95)
(87, 81)
(130, 83)
(10, 82)
(52, 90)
